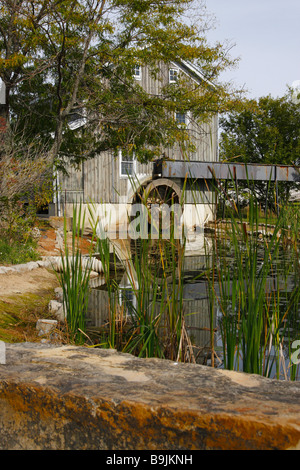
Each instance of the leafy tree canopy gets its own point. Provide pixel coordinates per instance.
(264, 131)
(60, 58)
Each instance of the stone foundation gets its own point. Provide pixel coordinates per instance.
(65, 398)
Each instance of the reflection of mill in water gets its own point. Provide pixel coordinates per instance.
(195, 304)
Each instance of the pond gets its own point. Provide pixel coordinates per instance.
(203, 318)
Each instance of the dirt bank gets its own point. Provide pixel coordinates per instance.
(25, 295)
(39, 281)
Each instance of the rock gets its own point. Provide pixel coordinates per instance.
(19, 268)
(2, 352)
(77, 398)
(54, 305)
(45, 327)
(26, 267)
(59, 240)
(53, 262)
(7, 269)
(45, 263)
(59, 294)
(56, 308)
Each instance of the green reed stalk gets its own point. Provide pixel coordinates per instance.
(252, 275)
(155, 271)
(172, 258)
(154, 312)
(252, 321)
(144, 338)
(145, 308)
(107, 255)
(103, 249)
(228, 299)
(140, 335)
(74, 278)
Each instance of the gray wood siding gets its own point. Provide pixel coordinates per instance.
(203, 136)
(99, 180)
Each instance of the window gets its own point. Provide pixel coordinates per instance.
(127, 165)
(181, 118)
(76, 118)
(127, 298)
(173, 75)
(137, 72)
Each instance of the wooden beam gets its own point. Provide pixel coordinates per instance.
(228, 171)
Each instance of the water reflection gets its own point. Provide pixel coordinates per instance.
(196, 306)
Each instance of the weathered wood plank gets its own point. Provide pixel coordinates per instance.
(239, 171)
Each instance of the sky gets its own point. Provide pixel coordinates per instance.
(266, 34)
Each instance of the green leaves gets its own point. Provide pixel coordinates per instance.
(58, 56)
(265, 131)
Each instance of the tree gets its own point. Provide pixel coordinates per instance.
(25, 184)
(265, 131)
(60, 57)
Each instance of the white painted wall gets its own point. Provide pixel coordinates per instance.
(2, 92)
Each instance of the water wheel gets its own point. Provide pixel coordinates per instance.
(160, 195)
(163, 191)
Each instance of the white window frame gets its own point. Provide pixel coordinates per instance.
(175, 72)
(126, 175)
(187, 118)
(137, 76)
(131, 298)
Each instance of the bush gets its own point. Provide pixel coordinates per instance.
(18, 252)
(25, 184)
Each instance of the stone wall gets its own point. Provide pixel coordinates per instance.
(65, 397)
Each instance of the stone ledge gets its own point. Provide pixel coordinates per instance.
(65, 397)
(46, 262)
(50, 262)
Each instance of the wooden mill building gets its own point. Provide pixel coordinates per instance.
(111, 181)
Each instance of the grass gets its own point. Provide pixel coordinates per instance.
(18, 252)
(19, 314)
(243, 215)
